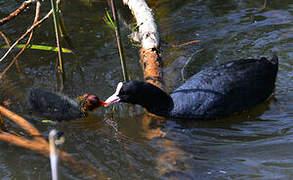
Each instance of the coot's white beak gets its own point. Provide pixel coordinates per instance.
(114, 98)
(111, 100)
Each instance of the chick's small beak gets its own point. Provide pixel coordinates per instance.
(111, 100)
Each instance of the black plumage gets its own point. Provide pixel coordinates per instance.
(56, 106)
(211, 93)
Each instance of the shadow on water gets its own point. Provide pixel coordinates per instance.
(128, 143)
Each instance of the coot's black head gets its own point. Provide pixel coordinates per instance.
(145, 94)
(90, 102)
(129, 92)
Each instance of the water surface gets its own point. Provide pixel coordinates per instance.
(129, 144)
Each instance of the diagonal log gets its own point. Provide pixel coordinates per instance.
(148, 36)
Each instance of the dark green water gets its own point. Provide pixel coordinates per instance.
(253, 145)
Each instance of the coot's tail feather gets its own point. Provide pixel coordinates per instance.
(274, 60)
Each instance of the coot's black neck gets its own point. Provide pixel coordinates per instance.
(159, 105)
(154, 99)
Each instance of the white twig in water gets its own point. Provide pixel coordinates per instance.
(53, 154)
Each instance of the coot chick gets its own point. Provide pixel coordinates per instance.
(212, 93)
(59, 107)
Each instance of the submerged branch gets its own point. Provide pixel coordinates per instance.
(187, 62)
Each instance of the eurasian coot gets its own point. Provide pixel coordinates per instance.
(211, 93)
(55, 106)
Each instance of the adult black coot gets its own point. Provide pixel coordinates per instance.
(59, 107)
(211, 93)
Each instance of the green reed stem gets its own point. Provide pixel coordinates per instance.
(57, 34)
(118, 39)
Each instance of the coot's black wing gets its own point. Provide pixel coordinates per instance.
(221, 90)
(53, 106)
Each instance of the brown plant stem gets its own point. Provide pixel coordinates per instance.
(16, 12)
(5, 38)
(27, 32)
(27, 43)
